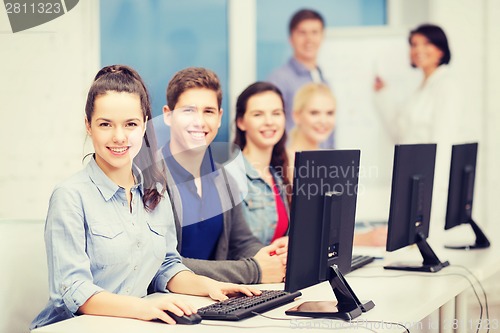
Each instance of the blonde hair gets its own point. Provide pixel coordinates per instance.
(303, 96)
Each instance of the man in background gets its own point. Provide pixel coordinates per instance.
(306, 31)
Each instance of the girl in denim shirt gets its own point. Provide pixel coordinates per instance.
(109, 234)
(260, 133)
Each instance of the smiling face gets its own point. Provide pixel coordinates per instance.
(195, 120)
(116, 128)
(316, 120)
(424, 54)
(306, 40)
(263, 121)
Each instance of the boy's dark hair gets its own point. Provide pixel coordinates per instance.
(189, 78)
(302, 15)
(436, 37)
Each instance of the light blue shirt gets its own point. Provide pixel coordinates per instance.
(289, 78)
(95, 242)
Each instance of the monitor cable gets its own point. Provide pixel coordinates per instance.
(484, 294)
(435, 276)
(348, 324)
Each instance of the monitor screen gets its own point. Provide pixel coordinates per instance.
(411, 194)
(461, 185)
(322, 215)
(411, 198)
(461, 193)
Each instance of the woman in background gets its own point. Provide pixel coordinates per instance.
(260, 133)
(314, 108)
(109, 230)
(432, 114)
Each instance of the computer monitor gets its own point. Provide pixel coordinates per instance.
(322, 216)
(410, 208)
(461, 193)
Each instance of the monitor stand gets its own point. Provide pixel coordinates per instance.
(481, 242)
(347, 306)
(431, 262)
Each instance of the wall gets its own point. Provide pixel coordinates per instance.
(46, 72)
(159, 38)
(491, 119)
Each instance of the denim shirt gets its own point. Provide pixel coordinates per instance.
(95, 242)
(259, 208)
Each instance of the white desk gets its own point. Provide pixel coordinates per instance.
(403, 297)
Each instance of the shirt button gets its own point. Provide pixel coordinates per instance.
(127, 290)
(135, 267)
(138, 244)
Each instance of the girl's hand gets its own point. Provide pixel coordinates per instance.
(220, 291)
(154, 308)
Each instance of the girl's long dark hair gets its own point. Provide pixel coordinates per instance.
(279, 158)
(121, 78)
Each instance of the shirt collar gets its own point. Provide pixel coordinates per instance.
(179, 173)
(106, 186)
(439, 72)
(301, 69)
(250, 170)
(253, 174)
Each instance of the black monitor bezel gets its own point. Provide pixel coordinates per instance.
(305, 238)
(462, 156)
(460, 201)
(409, 161)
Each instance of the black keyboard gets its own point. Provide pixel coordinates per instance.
(359, 261)
(239, 307)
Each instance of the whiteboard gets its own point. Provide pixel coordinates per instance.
(350, 59)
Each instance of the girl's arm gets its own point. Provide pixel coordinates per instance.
(109, 304)
(187, 282)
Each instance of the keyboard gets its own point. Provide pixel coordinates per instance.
(359, 261)
(239, 307)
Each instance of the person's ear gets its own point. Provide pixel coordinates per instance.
(145, 126)
(440, 57)
(240, 124)
(220, 117)
(88, 128)
(167, 115)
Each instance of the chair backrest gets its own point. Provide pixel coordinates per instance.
(24, 277)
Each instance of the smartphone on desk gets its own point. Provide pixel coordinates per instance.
(325, 309)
